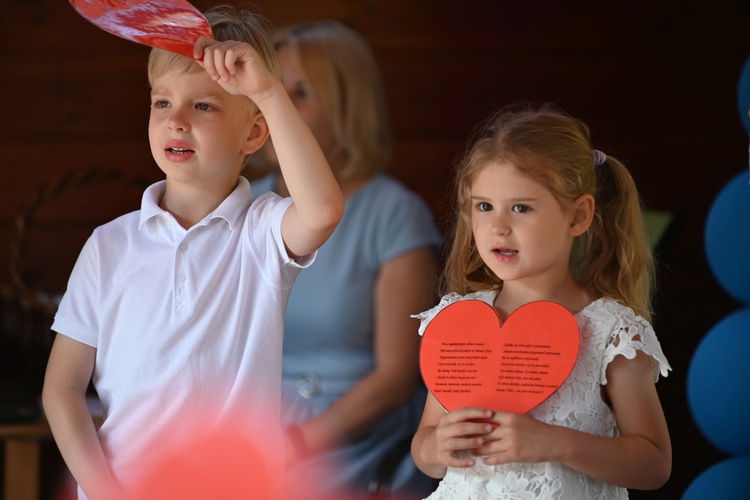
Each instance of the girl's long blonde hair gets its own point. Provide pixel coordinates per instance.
(613, 258)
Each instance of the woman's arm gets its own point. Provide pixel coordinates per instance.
(404, 286)
(66, 381)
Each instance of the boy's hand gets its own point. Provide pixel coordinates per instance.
(462, 429)
(236, 66)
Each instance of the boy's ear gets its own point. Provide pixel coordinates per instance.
(258, 134)
(583, 214)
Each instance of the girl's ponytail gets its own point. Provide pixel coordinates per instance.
(616, 258)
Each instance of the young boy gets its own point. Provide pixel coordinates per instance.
(177, 308)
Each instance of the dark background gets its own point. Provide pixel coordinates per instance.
(656, 81)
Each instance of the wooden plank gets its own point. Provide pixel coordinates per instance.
(22, 469)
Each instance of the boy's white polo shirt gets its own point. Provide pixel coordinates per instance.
(183, 321)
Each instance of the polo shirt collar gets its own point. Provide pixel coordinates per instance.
(231, 209)
(235, 205)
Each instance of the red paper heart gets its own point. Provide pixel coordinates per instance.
(468, 357)
(172, 25)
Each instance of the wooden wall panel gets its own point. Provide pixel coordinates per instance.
(656, 81)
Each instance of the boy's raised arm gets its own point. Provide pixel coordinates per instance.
(318, 203)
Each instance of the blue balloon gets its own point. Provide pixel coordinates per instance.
(727, 237)
(743, 94)
(727, 480)
(717, 387)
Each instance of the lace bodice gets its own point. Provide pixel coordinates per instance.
(608, 329)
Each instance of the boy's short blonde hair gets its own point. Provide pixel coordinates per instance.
(227, 23)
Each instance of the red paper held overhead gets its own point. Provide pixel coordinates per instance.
(468, 357)
(172, 25)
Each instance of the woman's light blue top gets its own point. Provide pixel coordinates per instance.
(330, 317)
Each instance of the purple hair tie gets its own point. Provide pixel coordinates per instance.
(599, 157)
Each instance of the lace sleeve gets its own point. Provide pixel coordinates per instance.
(427, 316)
(631, 333)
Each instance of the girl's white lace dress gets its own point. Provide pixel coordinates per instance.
(608, 329)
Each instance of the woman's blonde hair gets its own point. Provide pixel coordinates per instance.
(612, 258)
(227, 23)
(345, 75)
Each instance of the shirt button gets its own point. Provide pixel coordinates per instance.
(183, 247)
(181, 277)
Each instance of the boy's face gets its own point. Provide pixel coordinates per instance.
(199, 133)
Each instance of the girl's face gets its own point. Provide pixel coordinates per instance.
(199, 133)
(522, 232)
(304, 94)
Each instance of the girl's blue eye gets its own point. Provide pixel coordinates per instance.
(160, 104)
(202, 106)
(483, 206)
(520, 209)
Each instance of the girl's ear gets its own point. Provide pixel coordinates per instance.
(258, 134)
(583, 214)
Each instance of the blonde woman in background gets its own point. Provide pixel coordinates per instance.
(350, 370)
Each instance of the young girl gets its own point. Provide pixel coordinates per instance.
(530, 190)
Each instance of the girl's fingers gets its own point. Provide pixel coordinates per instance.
(470, 413)
(472, 429)
(451, 459)
(471, 443)
(465, 423)
(459, 463)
